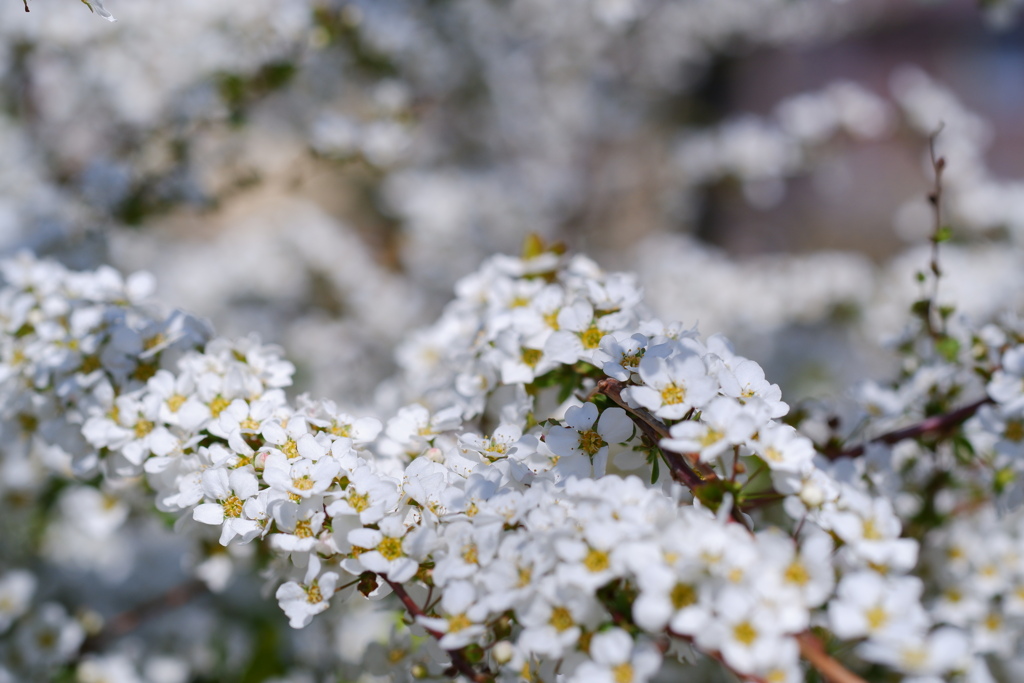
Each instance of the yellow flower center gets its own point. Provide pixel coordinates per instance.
(683, 595)
(217, 405)
(711, 437)
(591, 337)
(232, 507)
(632, 360)
(993, 621)
(525, 576)
(154, 341)
(303, 483)
(871, 532)
(622, 673)
(175, 402)
(745, 633)
(358, 501)
(673, 395)
(591, 442)
(469, 554)
(458, 622)
(877, 617)
(303, 529)
(313, 594)
(143, 427)
(561, 619)
(290, 449)
(797, 573)
(390, 548)
(596, 561)
(531, 356)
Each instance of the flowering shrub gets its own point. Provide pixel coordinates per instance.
(576, 490)
(558, 484)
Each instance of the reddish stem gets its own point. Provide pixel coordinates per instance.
(459, 661)
(686, 468)
(814, 652)
(937, 424)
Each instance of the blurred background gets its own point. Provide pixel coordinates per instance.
(322, 171)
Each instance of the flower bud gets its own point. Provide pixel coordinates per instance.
(502, 652)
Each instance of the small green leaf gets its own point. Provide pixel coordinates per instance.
(655, 471)
(1003, 479)
(943, 234)
(533, 246)
(921, 307)
(948, 348)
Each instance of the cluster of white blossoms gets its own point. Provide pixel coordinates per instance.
(579, 491)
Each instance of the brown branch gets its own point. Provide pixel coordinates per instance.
(129, 620)
(459, 661)
(691, 471)
(939, 424)
(813, 651)
(685, 468)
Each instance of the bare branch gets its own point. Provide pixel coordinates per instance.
(939, 424)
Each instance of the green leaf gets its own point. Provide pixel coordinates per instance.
(948, 348)
(921, 307)
(1003, 479)
(533, 246)
(655, 471)
(943, 234)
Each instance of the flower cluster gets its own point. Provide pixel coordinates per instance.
(582, 491)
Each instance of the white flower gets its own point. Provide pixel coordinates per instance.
(302, 601)
(16, 590)
(783, 448)
(230, 489)
(672, 386)
(300, 477)
(724, 423)
(581, 436)
(937, 653)
(383, 550)
(464, 620)
(868, 604)
(615, 657)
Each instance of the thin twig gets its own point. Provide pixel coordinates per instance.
(935, 199)
(937, 424)
(129, 620)
(685, 468)
(814, 652)
(459, 661)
